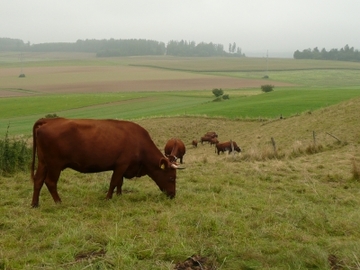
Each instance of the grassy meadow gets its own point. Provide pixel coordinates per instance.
(294, 205)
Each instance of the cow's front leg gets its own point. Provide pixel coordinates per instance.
(116, 181)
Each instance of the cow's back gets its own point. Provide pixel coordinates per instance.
(89, 145)
(175, 148)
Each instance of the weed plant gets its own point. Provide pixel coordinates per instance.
(15, 155)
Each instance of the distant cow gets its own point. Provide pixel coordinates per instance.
(205, 139)
(208, 136)
(211, 134)
(89, 146)
(194, 143)
(226, 146)
(213, 141)
(175, 149)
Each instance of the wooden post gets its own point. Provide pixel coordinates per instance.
(274, 144)
(314, 137)
(232, 147)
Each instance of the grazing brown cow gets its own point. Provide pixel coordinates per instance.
(213, 141)
(211, 134)
(208, 136)
(194, 143)
(226, 146)
(205, 139)
(175, 149)
(89, 146)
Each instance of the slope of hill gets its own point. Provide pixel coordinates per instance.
(297, 208)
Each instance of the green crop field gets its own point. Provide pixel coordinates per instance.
(289, 200)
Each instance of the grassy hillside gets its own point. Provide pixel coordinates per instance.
(297, 208)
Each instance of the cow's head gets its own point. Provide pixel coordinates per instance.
(237, 148)
(165, 177)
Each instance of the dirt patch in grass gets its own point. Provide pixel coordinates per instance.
(196, 262)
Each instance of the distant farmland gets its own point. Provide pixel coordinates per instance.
(80, 85)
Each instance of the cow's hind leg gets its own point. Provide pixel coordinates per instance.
(51, 180)
(38, 179)
(116, 181)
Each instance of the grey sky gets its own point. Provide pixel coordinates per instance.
(254, 25)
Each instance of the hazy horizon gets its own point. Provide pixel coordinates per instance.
(260, 27)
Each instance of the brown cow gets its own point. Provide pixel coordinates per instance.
(205, 139)
(89, 146)
(208, 136)
(194, 143)
(226, 146)
(175, 149)
(211, 134)
(213, 141)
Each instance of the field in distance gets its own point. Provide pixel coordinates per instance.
(81, 85)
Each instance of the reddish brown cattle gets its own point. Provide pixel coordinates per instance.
(205, 139)
(226, 146)
(213, 141)
(194, 143)
(175, 149)
(211, 134)
(208, 137)
(88, 146)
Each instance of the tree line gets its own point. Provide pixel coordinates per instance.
(344, 54)
(124, 47)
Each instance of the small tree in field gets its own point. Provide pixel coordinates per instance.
(217, 92)
(267, 88)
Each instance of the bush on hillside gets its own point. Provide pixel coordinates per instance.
(14, 155)
(217, 92)
(267, 88)
(51, 115)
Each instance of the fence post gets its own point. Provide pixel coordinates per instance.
(314, 137)
(273, 144)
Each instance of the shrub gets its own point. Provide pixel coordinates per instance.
(14, 155)
(225, 96)
(267, 88)
(51, 115)
(217, 92)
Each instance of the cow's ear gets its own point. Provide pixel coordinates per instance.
(164, 163)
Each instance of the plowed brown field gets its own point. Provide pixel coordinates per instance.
(114, 79)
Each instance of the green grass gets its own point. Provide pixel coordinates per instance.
(21, 113)
(35, 105)
(309, 78)
(284, 213)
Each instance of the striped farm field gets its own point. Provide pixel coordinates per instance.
(80, 85)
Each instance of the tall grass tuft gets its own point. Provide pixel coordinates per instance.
(15, 155)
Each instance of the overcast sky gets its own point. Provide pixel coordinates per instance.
(256, 26)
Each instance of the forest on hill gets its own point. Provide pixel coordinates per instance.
(344, 54)
(125, 47)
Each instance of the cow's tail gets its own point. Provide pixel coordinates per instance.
(35, 127)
